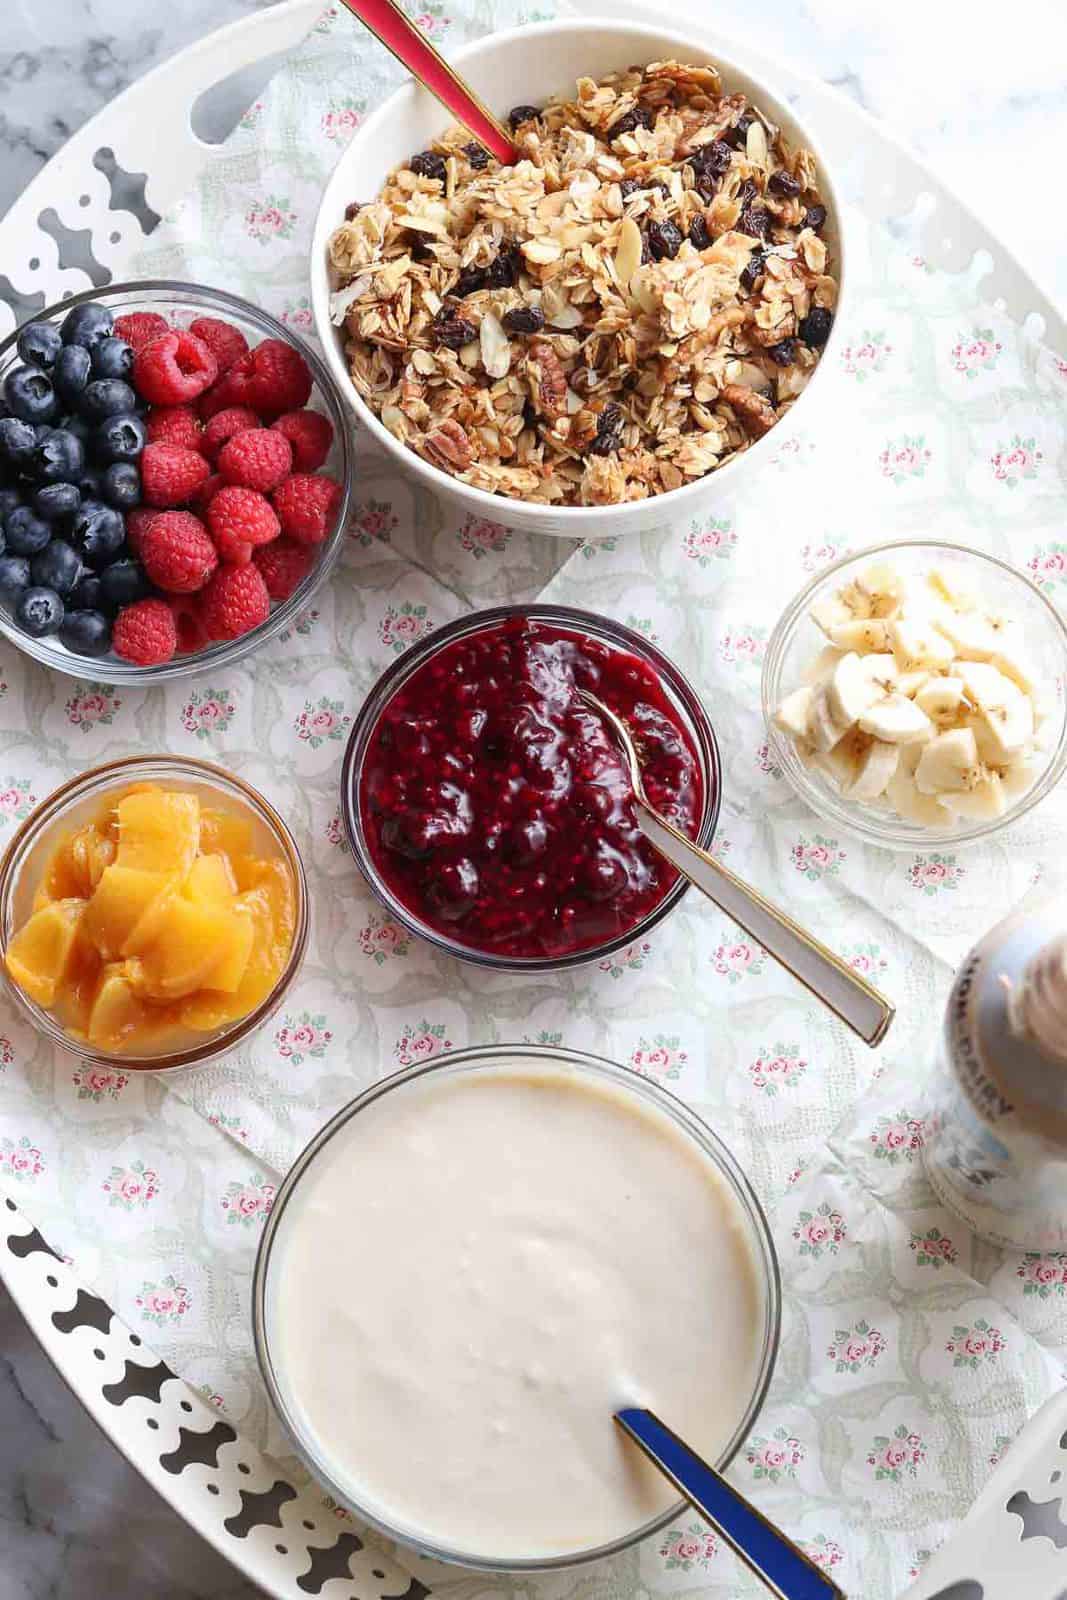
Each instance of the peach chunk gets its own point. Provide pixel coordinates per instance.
(225, 832)
(208, 1011)
(119, 1018)
(159, 831)
(45, 949)
(123, 896)
(192, 941)
(210, 881)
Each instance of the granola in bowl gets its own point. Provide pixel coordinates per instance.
(637, 300)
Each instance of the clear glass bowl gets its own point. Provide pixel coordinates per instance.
(77, 802)
(683, 698)
(181, 303)
(797, 640)
(582, 1066)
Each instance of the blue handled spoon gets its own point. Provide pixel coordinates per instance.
(786, 1570)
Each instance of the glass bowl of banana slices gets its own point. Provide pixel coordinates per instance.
(914, 693)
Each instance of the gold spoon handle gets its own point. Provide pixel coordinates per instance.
(857, 1002)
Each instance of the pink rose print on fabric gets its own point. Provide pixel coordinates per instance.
(297, 313)
(373, 522)
(659, 1057)
(231, 1125)
(402, 625)
(432, 21)
(131, 1188)
(780, 1068)
(897, 1139)
(823, 1552)
(334, 832)
(735, 958)
(1017, 461)
(820, 1232)
(775, 1458)
(163, 1302)
(935, 873)
(855, 1348)
(974, 1344)
(642, 625)
(302, 1037)
(7, 1051)
(20, 1159)
(866, 959)
(590, 548)
(98, 1083)
(303, 622)
(549, 1039)
(480, 537)
(1048, 566)
(250, 119)
(92, 705)
(325, 719)
(975, 352)
(1043, 1275)
(421, 1041)
(932, 1249)
(918, 1562)
(743, 647)
(813, 557)
(767, 761)
(905, 457)
(246, 1203)
(383, 939)
(1000, 1445)
(817, 858)
(270, 218)
(632, 959)
(713, 539)
(341, 119)
(692, 1546)
(208, 713)
(893, 1458)
(16, 800)
(868, 356)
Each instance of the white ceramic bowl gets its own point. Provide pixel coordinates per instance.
(526, 65)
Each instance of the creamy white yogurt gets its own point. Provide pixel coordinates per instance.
(475, 1272)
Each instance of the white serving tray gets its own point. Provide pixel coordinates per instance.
(85, 214)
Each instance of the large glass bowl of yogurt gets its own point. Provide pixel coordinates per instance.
(474, 1265)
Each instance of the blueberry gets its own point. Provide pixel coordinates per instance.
(87, 633)
(91, 484)
(25, 532)
(120, 438)
(58, 566)
(77, 425)
(87, 594)
(71, 373)
(56, 501)
(122, 583)
(121, 485)
(58, 459)
(112, 358)
(97, 533)
(106, 397)
(14, 577)
(9, 499)
(17, 441)
(39, 344)
(87, 324)
(30, 395)
(38, 611)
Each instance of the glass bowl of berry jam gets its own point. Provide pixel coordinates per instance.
(490, 809)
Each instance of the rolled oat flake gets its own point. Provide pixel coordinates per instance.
(996, 1132)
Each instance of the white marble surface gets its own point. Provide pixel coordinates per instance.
(977, 87)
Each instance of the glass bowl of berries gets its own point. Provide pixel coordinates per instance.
(175, 473)
(491, 810)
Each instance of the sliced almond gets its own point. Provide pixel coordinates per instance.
(628, 253)
(541, 252)
(495, 346)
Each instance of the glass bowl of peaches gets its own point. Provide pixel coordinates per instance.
(153, 913)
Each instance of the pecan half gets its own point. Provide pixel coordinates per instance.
(543, 366)
(753, 412)
(448, 446)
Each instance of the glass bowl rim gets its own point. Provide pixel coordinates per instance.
(50, 811)
(387, 684)
(685, 1118)
(890, 835)
(222, 653)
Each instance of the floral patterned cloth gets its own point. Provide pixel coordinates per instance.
(910, 1354)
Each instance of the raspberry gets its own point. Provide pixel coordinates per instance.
(178, 425)
(271, 379)
(226, 343)
(225, 425)
(283, 564)
(203, 495)
(310, 435)
(234, 602)
(138, 327)
(138, 520)
(144, 633)
(176, 552)
(239, 519)
(170, 475)
(259, 458)
(187, 620)
(306, 506)
(173, 368)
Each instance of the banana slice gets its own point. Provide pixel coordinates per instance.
(830, 612)
(792, 714)
(851, 690)
(842, 763)
(910, 683)
(1012, 660)
(941, 698)
(918, 644)
(1018, 778)
(823, 730)
(875, 768)
(863, 637)
(876, 592)
(1004, 713)
(908, 803)
(823, 665)
(896, 720)
(976, 635)
(946, 591)
(984, 803)
(882, 670)
(949, 764)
